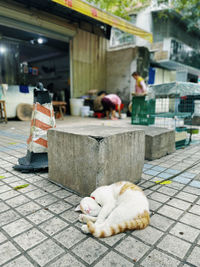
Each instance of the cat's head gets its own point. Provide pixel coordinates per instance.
(89, 206)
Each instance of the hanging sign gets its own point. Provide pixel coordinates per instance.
(107, 18)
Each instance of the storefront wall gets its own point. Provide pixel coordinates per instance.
(88, 63)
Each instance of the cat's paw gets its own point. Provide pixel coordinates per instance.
(85, 229)
(80, 218)
(83, 218)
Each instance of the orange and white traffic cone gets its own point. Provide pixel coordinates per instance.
(37, 145)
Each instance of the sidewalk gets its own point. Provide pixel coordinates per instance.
(40, 228)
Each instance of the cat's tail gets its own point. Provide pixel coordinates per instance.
(140, 222)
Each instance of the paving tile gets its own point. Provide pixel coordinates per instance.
(46, 200)
(148, 166)
(62, 193)
(53, 226)
(146, 184)
(148, 192)
(191, 219)
(36, 193)
(17, 201)
(11, 179)
(161, 222)
(113, 259)
(69, 237)
(195, 184)
(180, 204)
(70, 215)
(154, 205)
(170, 212)
(9, 194)
(8, 217)
(195, 209)
(6, 175)
(132, 248)
(176, 185)
(66, 261)
(40, 216)
(174, 245)
(19, 262)
(4, 188)
(159, 197)
(189, 189)
(2, 238)
(17, 227)
(158, 259)
(158, 168)
(146, 176)
(181, 180)
(185, 232)
(3, 206)
(33, 179)
(148, 235)
(52, 188)
(43, 183)
(74, 199)
(45, 252)
(30, 238)
(164, 175)
(194, 257)
(172, 171)
(112, 240)
(89, 250)
(28, 208)
(151, 172)
(7, 252)
(186, 196)
(21, 182)
(188, 175)
(26, 175)
(59, 207)
(168, 191)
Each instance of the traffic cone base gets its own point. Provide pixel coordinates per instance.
(32, 162)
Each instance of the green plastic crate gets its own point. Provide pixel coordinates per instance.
(142, 111)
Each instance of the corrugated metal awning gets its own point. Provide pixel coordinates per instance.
(107, 18)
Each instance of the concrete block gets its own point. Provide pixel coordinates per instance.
(84, 157)
(159, 142)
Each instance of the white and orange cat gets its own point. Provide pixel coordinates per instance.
(113, 209)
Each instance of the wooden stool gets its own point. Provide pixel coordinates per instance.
(59, 106)
(3, 116)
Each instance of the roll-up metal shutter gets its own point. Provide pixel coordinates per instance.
(15, 16)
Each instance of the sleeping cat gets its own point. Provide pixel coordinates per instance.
(114, 209)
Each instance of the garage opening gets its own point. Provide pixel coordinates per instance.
(28, 58)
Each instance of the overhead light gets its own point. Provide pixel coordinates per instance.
(40, 40)
(2, 49)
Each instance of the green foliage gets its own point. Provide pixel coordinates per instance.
(119, 8)
(189, 9)
(20, 186)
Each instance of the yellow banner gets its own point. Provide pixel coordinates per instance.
(105, 17)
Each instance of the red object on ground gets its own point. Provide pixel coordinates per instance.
(121, 107)
(99, 115)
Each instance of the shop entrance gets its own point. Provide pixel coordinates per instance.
(28, 58)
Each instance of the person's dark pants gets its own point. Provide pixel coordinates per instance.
(108, 105)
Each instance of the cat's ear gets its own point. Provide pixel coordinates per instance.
(78, 208)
